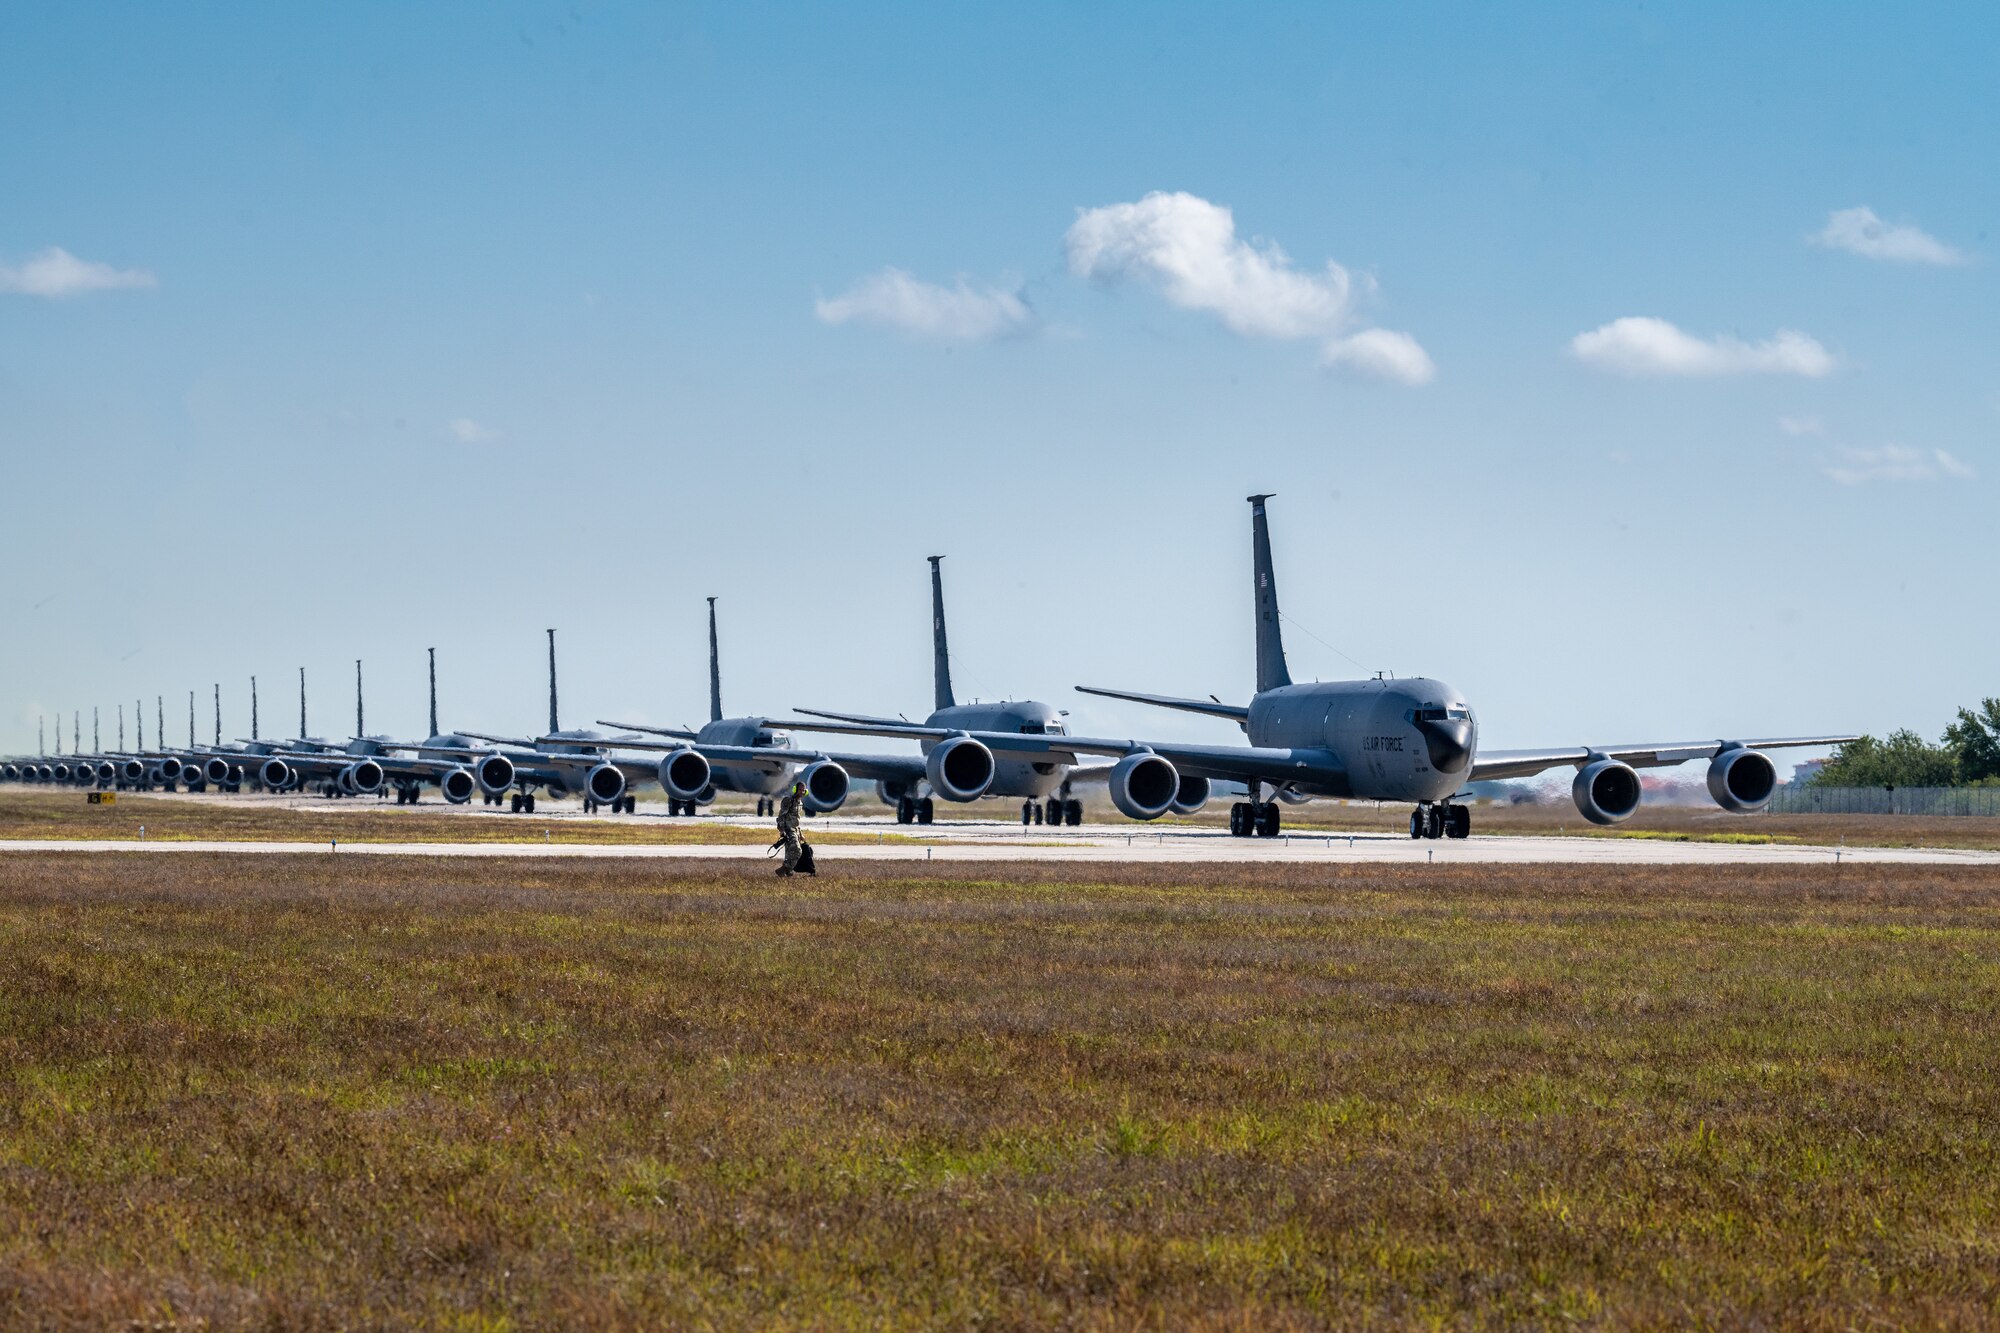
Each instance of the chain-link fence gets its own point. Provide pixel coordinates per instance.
(1886, 801)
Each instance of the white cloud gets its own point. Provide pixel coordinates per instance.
(1894, 462)
(55, 272)
(467, 431)
(898, 300)
(1801, 425)
(1380, 354)
(1640, 345)
(1859, 232)
(1188, 247)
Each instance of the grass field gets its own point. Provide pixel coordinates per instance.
(296, 1092)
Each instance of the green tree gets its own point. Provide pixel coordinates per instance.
(1975, 738)
(1904, 759)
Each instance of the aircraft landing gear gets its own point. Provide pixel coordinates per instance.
(925, 810)
(1255, 819)
(1031, 813)
(524, 803)
(1440, 820)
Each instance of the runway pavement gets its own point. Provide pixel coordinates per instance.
(981, 841)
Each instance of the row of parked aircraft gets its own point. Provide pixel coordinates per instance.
(1412, 741)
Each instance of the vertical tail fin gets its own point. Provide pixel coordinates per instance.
(714, 668)
(1271, 672)
(555, 724)
(434, 689)
(359, 728)
(159, 723)
(940, 651)
(253, 714)
(218, 714)
(302, 703)
(190, 719)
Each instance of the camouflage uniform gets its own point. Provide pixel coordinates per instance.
(788, 829)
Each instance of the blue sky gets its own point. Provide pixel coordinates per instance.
(393, 326)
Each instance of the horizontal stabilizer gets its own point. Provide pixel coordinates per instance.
(1210, 707)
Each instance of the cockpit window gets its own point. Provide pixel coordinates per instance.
(1440, 714)
(1032, 729)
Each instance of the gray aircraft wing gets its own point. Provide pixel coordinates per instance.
(1490, 765)
(1312, 766)
(675, 732)
(1211, 707)
(772, 758)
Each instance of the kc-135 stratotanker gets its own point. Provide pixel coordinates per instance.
(1412, 740)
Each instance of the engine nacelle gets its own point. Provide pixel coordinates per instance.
(826, 786)
(1742, 781)
(132, 770)
(83, 774)
(1606, 792)
(959, 768)
(216, 770)
(107, 773)
(9, 772)
(1144, 786)
(59, 771)
(45, 772)
(276, 774)
(495, 774)
(1192, 796)
(457, 785)
(684, 773)
(362, 778)
(605, 782)
(170, 770)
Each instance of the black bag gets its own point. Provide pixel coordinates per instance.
(805, 865)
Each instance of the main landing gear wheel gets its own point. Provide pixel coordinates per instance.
(517, 803)
(1258, 819)
(906, 811)
(1073, 813)
(1457, 822)
(925, 810)
(1030, 813)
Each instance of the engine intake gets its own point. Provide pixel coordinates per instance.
(216, 770)
(363, 778)
(1742, 781)
(684, 773)
(457, 784)
(496, 774)
(959, 768)
(107, 773)
(1606, 792)
(826, 786)
(170, 769)
(1192, 796)
(605, 782)
(275, 773)
(1144, 786)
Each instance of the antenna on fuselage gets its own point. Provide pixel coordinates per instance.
(714, 668)
(554, 724)
(434, 689)
(940, 651)
(1271, 671)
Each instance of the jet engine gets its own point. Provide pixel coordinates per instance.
(960, 768)
(496, 774)
(169, 770)
(457, 784)
(362, 778)
(1192, 796)
(60, 771)
(9, 772)
(826, 786)
(83, 774)
(1144, 786)
(605, 783)
(276, 774)
(1742, 781)
(216, 770)
(107, 773)
(45, 773)
(1606, 792)
(684, 772)
(132, 770)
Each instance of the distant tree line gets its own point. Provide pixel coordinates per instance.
(1968, 754)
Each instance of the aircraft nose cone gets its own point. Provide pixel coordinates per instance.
(1449, 743)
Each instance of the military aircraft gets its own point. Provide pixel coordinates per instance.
(745, 754)
(365, 765)
(1411, 740)
(959, 763)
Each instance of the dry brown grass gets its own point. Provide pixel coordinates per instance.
(297, 1092)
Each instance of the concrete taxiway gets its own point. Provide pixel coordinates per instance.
(995, 841)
